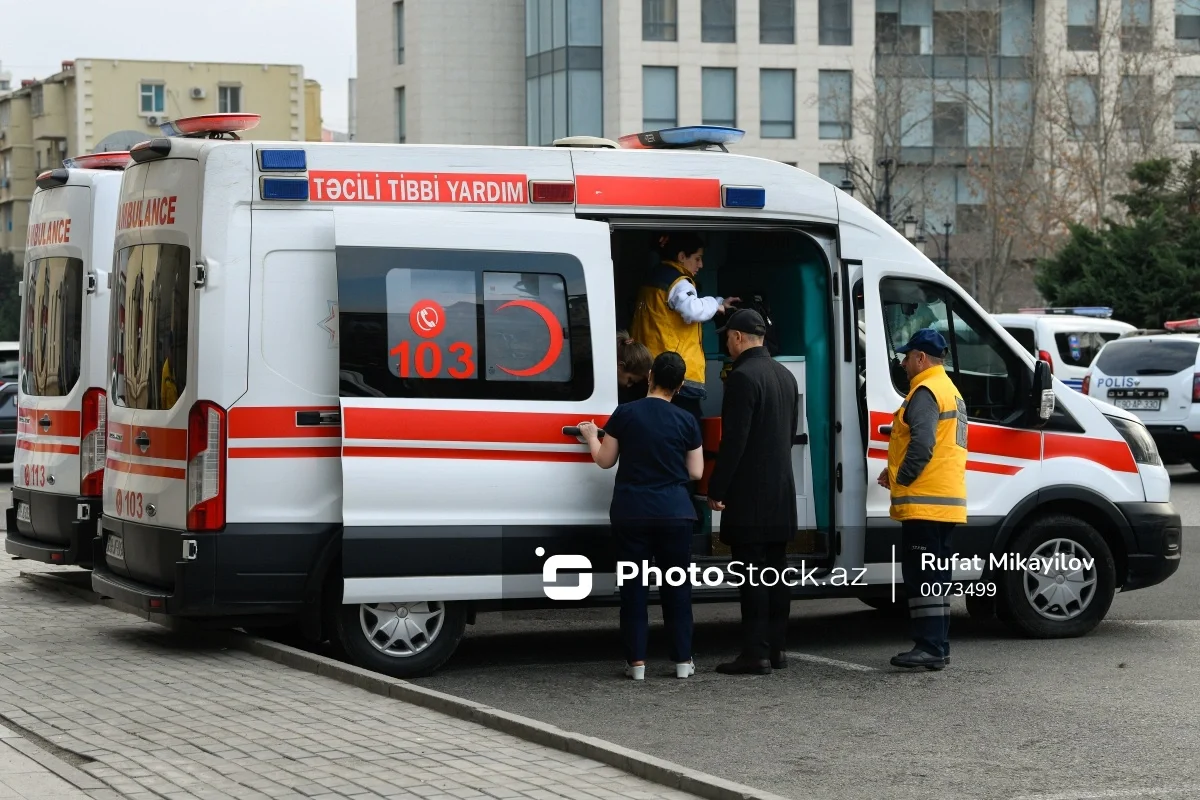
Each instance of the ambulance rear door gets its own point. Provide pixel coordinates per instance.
(469, 342)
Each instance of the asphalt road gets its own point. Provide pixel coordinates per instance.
(1109, 715)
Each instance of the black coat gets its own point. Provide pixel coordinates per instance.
(753, 475)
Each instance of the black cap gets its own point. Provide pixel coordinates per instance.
(746, 320)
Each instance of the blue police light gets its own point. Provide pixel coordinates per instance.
(284, 188)
(690, 136)
(282, 160)
(1093, 311)
(743, 197)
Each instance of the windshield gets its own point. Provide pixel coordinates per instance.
(1147, 357)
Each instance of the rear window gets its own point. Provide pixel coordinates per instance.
(149, 330)
(1079, 348)
(1133, 357)
(1026, 337)
(53, 326)
(10, 364)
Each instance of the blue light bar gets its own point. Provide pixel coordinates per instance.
(690, 136)
(743, 197)
(284, 188)
(1077, 311)
(282, 160)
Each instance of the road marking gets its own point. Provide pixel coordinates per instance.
(1086, 795)
(832, 662)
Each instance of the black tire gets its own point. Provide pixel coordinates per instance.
(885, 605)
(981, 608)
(352, 638)
(1019, 612)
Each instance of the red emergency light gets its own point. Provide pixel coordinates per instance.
(213, 126)
(116, 159)
(1183, 325)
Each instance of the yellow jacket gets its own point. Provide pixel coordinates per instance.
(939, 492)
(662, 329)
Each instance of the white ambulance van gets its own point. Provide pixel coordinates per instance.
(58, 469)
(345, 380)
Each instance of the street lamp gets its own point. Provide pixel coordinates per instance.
(943, 252)
(847, 186)
(910, 227)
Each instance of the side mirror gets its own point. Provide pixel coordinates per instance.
(1041, 398)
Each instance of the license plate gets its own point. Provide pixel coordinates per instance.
(1145, 404)
(115, 547)
(22, 512)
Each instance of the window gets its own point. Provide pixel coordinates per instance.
(776, 21)
(54, 326)
(1141, 357)
(778, 101)
(1025, 337)
(1081, 24)
(1077, 349)
(718, 21)
(949, 124)
(834, 22)
(1136, 33)
(153, 99)
(148, 343)
(719, 96)
(463, 324)
(37, 105)
(659, 21)
(229, 99)
(1135, 92)
(585, 23)
(835, 98)
(1187, 25)
(832, 173)
(398, 11)
(1187, 109)
(659, 98)
(401, 116)
(992, 378)
(1081, 106)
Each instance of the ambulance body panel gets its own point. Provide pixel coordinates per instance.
(393, 355)
(64, 302)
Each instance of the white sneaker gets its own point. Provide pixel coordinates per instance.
(685, 670)
(638, 673)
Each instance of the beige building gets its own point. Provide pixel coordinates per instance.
(111, 104)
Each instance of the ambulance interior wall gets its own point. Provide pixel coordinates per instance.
(789, 272)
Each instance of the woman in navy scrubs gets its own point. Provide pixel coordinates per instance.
(659, 447)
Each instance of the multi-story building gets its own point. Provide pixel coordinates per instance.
(110, 104)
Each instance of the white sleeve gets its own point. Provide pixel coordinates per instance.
(683, 300)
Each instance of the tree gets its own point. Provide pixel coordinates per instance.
(1146, 268)
(10, 301)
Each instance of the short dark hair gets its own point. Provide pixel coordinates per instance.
(668, 371)
(684, 242)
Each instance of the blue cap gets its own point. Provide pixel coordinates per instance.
(928, 341)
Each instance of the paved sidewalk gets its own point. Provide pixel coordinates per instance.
(22, 778)
(152, 714)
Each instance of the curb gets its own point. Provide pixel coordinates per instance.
(649, 768)
(72, 775)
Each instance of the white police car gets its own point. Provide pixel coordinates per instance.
(1066, 338)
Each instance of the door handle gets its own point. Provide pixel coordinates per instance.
(573, 430)
(142, 441)
(45, 421)
(886, 430)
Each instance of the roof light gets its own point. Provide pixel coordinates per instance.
(1183, 325)
(743, 197)
(53, 178)
(115, 159)
(552, 191)
(1077, 311)
(150, 150)
(282, 160)
(284, 188)
(212, 126)
(695, 136)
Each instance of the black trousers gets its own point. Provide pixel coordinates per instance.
(928, 609)
(765, 609)
(669, 544)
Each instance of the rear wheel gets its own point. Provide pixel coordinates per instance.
(404, 640)
(1059, 601)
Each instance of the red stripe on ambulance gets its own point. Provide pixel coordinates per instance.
(604, 190)
(417, 187)
(458, 426)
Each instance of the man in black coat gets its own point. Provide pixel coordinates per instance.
(753, 488)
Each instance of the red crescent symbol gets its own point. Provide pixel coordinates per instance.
(556, 339)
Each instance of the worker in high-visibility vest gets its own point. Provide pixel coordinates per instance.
(927, 476)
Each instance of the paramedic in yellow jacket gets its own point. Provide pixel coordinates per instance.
(927, 477)
(670, 312)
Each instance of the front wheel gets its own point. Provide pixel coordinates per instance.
(1070, 587)
(403, 640)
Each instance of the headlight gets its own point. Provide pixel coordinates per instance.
(1139, 439)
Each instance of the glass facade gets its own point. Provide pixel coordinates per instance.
(564, 86)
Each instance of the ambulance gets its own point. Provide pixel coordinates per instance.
(58, 470)
(346, 380)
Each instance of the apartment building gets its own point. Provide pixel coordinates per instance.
(110, 104)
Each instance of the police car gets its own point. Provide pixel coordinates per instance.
(1156, 375)
(1065, 338)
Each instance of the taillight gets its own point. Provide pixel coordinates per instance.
(206, 467)
(1044, 355)
(1196, 388)
(1087, 383)
(93, 443)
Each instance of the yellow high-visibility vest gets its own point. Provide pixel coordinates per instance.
(940, 492)
(662, 329)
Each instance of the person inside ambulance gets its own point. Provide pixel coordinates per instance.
(670, 312)
(633, 368)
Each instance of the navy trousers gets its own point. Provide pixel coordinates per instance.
(928, 609)
(669, 544)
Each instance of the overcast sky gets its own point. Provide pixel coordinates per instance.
(36, 36)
